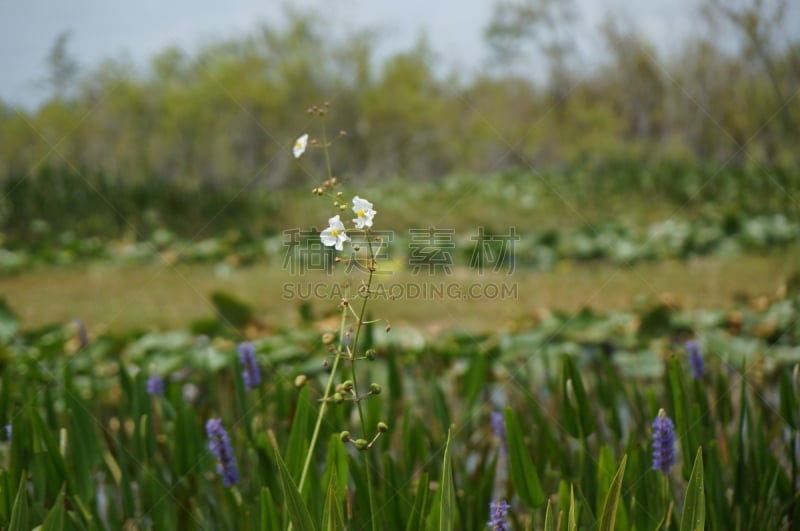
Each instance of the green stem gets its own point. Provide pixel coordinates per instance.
(359, 325)
(324, 403)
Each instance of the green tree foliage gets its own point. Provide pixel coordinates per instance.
(226, 115)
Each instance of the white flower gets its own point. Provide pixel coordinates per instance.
(335, 233)
(300, 146)
(363, 210)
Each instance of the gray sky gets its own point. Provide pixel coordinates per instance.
(104, 28)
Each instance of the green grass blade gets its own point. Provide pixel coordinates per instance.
(608, 516)
(298, 512)
(694, 505)
(447, 513)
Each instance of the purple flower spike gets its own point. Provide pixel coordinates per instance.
(696, 362)
(251, 373)
(220, 445)
(155, 385)
(663, 442)
(497, 513)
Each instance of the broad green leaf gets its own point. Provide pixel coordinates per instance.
(298, 512)
(418, 509)
(523, 473)
(20, 513)
(55, 518)
(694, 504)
(447, 514)
(608, 515)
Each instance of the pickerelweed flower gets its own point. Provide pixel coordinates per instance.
(300, 146)
(335, 234)
(251, 374)
(364, 212)
(497, 515)
(696, 362)
(499, 428)
(663, 442)
(220, 445)
(155, 385)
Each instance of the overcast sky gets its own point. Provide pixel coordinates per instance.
(102, 29)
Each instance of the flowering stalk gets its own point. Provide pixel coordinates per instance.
(497, 515)
(251, 373)
(663, 442)
(335, 235)
(220, 445)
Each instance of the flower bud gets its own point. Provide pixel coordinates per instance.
(375, 389)
(344, 436)
(361, 444)
(338, 398)
(300, 380)
(347, 385)
(383, 427)
(327, 338)
(370, 354)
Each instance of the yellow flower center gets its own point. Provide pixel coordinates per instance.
(334, 233)
(360, 213)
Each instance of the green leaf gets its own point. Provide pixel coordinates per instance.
(269, 518)
(230, 310)
(576, 415)
(332, 515)
(549, 519)
(20, 512)
(299, 435)
(418, 509)
(788, 400)
(447, 513)
(298, 512)
(574, 511)
(682, 421)
(523, 473)
(694, 504)
(55, 518)
(608, 515)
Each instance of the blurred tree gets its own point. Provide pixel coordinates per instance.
(62, 69)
